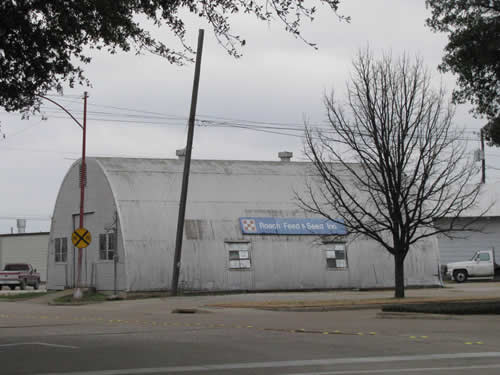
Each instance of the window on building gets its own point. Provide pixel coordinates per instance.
(336, 257)
(239, 255)
(61, 249)
(107, 246)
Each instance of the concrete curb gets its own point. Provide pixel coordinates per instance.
(73, 303)
(322, 306)
(405, 315)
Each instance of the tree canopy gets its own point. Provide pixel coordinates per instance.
(472, 52)
(43, 43)
(390, 162)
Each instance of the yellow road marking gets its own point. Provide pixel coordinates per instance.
(200, 324)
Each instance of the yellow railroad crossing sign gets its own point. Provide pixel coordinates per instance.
(81, 238)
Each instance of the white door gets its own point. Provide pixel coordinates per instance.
(484, 264)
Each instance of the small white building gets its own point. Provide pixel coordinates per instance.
(484, 221)
(25, 248)
(243, 231)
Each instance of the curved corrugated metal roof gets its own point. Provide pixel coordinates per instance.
(147, 193)
(221, 181)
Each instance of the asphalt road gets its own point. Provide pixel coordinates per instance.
(144, 337)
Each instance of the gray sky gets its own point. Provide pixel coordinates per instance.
(279, 79)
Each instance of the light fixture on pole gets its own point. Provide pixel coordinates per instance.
(77, 294)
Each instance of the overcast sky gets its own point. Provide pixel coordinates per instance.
(279, 79)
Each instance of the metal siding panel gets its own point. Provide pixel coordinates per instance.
(149, 264)
(59, 277)
(147, 193)
(100, 209)
(460, 249)
(27, 249)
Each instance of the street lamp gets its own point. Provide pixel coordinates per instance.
(77, 294)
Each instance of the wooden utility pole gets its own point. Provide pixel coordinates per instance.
(483, 158)
(77, 294)
(187, 165)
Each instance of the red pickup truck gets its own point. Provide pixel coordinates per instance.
(19, 274)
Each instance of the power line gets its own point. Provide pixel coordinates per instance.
(227, 121)
(265, 129)
(160, 115)
(251, 125)
(203, 119)
(144, 117)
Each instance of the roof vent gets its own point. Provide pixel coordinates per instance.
(285, 155)
(180, 153)
(21, 225)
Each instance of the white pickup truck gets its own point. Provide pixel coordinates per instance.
(482, 264)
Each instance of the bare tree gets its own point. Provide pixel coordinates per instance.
(390, 162)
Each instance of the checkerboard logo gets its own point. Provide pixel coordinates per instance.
(249, 226)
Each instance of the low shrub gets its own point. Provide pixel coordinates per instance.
(459, 308)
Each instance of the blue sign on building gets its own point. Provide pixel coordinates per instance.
(291, 226)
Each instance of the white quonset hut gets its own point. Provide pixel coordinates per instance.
(243, 231)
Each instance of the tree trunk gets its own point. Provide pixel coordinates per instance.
(399, 273)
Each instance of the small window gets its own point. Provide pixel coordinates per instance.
(484, 257)
(336, 256)
(61, 249)
(111, 241)
(17, 267)
(107, 246)
(239, 255)
(102, 246)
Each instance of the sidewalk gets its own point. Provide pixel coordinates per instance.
(300, 301)
(339, 299)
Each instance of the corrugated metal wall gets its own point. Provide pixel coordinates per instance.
(27, 248)
(280, 262)
(486, 235)
(99, 219)
(145, 194)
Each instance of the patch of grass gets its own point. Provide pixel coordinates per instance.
(146, 295)
(18, 296)
(86, 298)
(459, 308)
(311, 304)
